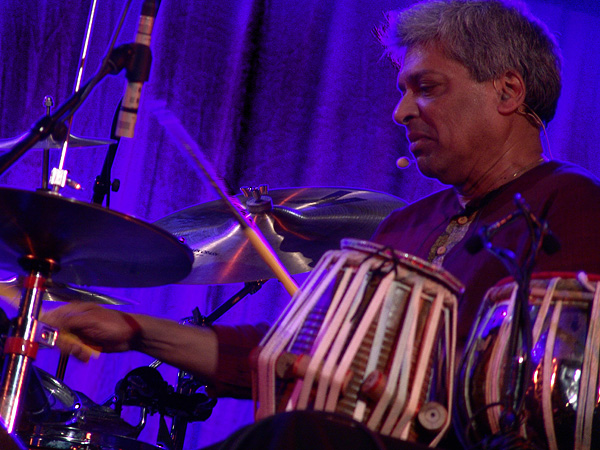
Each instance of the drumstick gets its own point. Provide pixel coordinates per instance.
(172, 124)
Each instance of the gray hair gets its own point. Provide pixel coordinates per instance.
(488, 38)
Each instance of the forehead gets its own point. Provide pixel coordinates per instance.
(423, 60)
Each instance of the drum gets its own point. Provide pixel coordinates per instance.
(370, 334)
(561, 401)
(71, 421)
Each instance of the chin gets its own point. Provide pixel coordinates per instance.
(429, 172)
(426, 169)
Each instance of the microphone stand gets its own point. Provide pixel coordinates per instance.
(103, 184)
(519, 370)
(22, 342)
(54, 124)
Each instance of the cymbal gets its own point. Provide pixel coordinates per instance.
(57, 292)
(92, 245)
(301, 224)
(50, 142)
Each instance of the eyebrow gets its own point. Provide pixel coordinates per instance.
(414, 77)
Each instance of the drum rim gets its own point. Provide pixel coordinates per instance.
(46, 434)
(433, 271)
(547, 275)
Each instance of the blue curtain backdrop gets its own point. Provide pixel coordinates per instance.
(281, 92)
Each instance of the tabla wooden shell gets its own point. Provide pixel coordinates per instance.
(371, 334)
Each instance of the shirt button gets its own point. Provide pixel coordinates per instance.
(462, 220)
(441, 250)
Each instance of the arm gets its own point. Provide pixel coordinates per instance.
(191, 349)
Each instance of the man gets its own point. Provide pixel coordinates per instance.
(478, 81)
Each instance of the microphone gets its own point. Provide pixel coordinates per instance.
(477, 241)
(481, 238)
(550, 243)
(138, 70)
(403, 162)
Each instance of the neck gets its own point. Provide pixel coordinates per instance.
(520, 151)
(496, 176)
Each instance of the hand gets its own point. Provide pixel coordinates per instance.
(85, 325)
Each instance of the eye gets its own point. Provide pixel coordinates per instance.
(427, 89)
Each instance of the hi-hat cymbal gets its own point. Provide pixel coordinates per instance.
(301, 224)
(11, 290)
(92, 245)
(50, 142)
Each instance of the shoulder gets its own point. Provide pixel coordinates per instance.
(445, 198)
(560, 174)
(559, 184)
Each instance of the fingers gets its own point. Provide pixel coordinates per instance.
(70, 320)
(72, 345)
(69, 315)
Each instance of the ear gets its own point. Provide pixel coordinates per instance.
(510, 87)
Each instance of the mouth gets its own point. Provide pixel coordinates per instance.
(417, 144)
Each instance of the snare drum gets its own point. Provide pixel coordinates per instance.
(561, 402)
(370, 334)
(74, 422)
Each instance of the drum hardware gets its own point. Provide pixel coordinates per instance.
(144, 387)
(345, 343)
(187, 384)
(301, 224)
(519, 340)
(60, 418)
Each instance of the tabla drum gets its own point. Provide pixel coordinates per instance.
(561, 400)
(370, 334)
(74, 422)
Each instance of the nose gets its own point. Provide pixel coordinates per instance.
(405, 110)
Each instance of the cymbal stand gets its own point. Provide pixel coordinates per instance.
(22, 343)
(24, 339)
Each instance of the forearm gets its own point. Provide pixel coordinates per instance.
(219, 355)
(193, 349)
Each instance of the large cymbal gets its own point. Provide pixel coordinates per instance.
(93, 246)
(50, 142)
(301, 226)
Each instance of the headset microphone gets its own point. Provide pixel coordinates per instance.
(402, 162)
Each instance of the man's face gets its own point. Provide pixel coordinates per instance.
(450, 118)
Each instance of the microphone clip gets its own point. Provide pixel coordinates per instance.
(135, 58)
